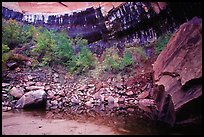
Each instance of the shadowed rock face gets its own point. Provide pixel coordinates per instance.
(179, 69)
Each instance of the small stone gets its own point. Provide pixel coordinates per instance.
(111, 88)
(119, 85)
(12, 64)
(136, 101)
(53, 107)
(109, 80)
(6, 109)
(30, 77)
(18, 69)
(54, 102)
(130, 109)
(5, 85)
(99, 86)
(28, 63)
(56, 75)
(17, 92)
(56, 79)
(147, 102)
(60, 105)
(47, 87)
(121, 100)
(91, 85)
(129, 93)
(38, 83)
(30, 83)
(82, 88)
(35, 87)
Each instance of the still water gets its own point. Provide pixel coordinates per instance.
(102, 120)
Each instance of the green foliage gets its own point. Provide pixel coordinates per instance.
(161, 42)
(45, 46)
(5, 54)
(126, 60)
(82, 61)
(79, 41)
(114, 62)
(14, 34)
(137, 52)
(63, 49)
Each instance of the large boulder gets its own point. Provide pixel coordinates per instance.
(179, 69)
(31, 98)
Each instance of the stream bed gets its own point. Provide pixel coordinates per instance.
(83, 120)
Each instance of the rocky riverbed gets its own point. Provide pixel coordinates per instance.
(58, 91)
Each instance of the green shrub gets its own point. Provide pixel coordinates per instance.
(5, 54)
(14, 34)
(126, 60)
(79, 41)
(161, 42)
(82, 61)
(138, 54)
(63, 49)
(45, 47)
(114, 62)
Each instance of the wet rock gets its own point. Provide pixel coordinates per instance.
(17, 92)
(31, 98)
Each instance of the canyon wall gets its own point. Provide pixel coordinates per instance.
(138, 22)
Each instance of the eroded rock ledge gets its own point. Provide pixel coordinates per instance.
(178, 75)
